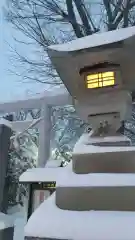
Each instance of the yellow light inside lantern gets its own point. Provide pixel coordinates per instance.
(99, 80)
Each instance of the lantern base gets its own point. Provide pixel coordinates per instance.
(103, 155)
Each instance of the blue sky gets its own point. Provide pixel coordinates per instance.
(11, 86)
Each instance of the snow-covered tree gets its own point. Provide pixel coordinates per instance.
(23, 155)
(67, 128)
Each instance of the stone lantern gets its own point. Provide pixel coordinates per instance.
(98, 72)
(95, 194)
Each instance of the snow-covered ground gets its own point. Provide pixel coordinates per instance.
(19, 228)
(19, 218)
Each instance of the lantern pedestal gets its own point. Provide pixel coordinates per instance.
(103, 155)
(95, 199)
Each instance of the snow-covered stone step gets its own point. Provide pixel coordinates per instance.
(114, 192)
(90, 158)
(50, 222)
(101, 162)
(64, 177)
(120, 198)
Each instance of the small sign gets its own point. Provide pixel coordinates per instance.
(43, 185)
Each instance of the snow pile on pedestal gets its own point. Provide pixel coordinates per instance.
(51, 222)
(83, 145)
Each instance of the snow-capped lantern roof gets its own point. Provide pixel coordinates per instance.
(111, 54)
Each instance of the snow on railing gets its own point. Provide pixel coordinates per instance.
(14, 138)
(58, 96)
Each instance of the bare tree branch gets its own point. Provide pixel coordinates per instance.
(85, 21)
(51, 21)
(108, 9)
(72, 17)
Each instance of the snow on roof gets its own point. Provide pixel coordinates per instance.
(82, 147)
(95, 40)
(84, 225)
(65, 177)
(6, 221)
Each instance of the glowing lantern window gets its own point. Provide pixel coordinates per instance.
(99, 80)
